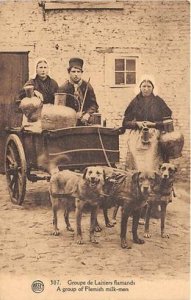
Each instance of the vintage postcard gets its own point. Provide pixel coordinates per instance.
(95, 131)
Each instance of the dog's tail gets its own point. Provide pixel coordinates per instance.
(57, 161)
(52, 164)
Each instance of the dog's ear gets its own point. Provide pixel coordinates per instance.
(84, 173)
(104, 175)
(175, 169)
(135, 183)
(135, 177)
(160, 167)
(157, 177)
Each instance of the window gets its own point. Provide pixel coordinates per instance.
(125, 71)
(121, 69)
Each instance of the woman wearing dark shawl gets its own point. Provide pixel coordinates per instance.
(44, 86)
(145, 110)
(44, 89)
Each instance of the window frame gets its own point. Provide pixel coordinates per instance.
(125, 71)
(110, 66)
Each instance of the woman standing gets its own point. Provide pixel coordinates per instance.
(144, 118)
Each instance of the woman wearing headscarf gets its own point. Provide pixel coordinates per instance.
(44, 86)
(41, 90)
(144, 119)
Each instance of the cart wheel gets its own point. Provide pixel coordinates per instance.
(15, 169)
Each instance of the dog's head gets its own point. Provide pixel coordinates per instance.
(94, 176)
(144, 182)
(167, 171)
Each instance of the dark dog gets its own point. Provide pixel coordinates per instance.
(86, 188)
(130, 191)
(162, 196)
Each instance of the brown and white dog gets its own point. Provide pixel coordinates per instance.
(84, 188)
(130, 190)
(163, 192)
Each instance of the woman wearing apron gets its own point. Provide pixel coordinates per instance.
(143, 119)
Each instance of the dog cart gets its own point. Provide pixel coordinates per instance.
(27, 153)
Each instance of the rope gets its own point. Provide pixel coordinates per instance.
(104, 152)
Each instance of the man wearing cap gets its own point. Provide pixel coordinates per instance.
(79, 94)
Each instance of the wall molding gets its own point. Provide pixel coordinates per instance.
(80, 5)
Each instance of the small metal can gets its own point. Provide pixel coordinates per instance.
(104, 123)
(96, 118)
(168, 125)
(29, 90)
(60, 98)
(145, 135)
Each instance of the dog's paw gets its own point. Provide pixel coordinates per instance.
(141, 222)
(56, 232)
(98, 228)
(125, 245)
(147, 235)
(113, 221)
(110, 225)
(165, 235)
(93, 240)
(138, 241)
(69, 228)
(79, 241)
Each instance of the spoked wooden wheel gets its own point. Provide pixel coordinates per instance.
(15, 169)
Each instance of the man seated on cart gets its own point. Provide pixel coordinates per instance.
(79, 93)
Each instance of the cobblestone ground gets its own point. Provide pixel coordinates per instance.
(28, 248)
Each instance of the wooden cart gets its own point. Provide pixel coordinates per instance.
(21, 149)
(83, 146)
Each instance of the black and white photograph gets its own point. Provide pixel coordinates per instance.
(95, 149)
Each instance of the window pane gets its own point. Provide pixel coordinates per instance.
(119, 78)
(119, 64)
(130, 64)
(131, 78)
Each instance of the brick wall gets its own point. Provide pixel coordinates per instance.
(155, 31)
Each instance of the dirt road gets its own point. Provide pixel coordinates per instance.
(28, 252)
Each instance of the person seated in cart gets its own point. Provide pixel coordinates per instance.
(79, 93)
(44, 86)
(41, 90)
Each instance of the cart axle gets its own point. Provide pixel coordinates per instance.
(35, 178)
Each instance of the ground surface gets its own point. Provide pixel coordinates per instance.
(28, 250)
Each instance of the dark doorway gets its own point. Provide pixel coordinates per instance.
(13, 74)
